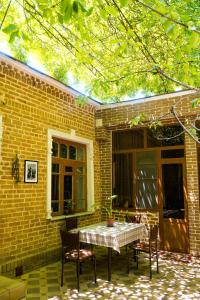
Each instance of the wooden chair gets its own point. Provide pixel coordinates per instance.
(133, 219)
(71, 223)
(71, 252)
(150, 247)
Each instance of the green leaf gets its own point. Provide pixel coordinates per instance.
(112, 10)
(75, 6)
(195, 102)
(170, 28)
(13, 36)
(10, 28)
(139, 119)
(103, 14)
(89, 12)
(68, 14)
(123, 2)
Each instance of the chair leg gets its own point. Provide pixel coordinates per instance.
(62, 273)
(94, 266)
(78, 274)
(128, 262)
(137, 258)
(157, 261)
(150, 271)
(80, 268)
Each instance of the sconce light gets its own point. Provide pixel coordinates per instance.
(15, 169)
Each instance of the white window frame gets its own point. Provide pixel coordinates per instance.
(71, 136)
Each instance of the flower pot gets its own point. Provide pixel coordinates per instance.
(110, 222)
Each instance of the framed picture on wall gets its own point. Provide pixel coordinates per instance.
(30, 171)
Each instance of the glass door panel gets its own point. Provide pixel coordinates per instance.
(123, 179)
(146, 180)
(173, 195)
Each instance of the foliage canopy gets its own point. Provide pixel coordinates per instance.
(116, 47)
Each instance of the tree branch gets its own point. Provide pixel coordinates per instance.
(5, 14)
(166, 16)
(182, 125)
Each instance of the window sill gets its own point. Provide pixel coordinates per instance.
(58, 218)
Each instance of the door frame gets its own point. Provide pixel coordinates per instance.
(173, 221)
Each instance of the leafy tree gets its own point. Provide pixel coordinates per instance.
(116, 47)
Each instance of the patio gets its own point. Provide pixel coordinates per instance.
(179, 278)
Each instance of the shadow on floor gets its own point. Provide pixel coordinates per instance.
(179, 278)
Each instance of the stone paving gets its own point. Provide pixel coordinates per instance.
(179, 278)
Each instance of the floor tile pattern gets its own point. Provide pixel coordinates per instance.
(179, 278)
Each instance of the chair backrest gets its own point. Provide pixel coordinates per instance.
(133, 219)
(153, 235)
(70, 240)
(71, 223)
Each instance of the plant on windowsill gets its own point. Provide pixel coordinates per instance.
(67, 206)
(109, 211)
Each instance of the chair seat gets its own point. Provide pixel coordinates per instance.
(83, 254)
(141, 246)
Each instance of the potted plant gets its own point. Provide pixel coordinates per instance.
(109, 211)
(110, 220)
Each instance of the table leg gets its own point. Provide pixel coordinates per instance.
(109, 263)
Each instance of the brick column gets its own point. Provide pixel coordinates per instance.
(192, 194)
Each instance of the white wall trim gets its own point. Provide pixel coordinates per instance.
(71, 136)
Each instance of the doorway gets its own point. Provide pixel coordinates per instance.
(173, 219)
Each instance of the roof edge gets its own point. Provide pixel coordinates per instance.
(45, 77)
(148, 99)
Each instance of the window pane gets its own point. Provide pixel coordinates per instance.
(63, 151)
(174, 153)
(131, 139)
(55, 206)
(80, 170)
(55, 168)
(55, 193)
(68, 169)
(146, 192)
(147, 172)
(55, 149)
(72, 152)
(173, 204)
(68, 204)
(157, 137)
(123, 180)
(146, 183)
(145, 157)
(80, 203)
(80, 153)
(67, 187)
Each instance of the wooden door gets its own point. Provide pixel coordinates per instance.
(173, 219)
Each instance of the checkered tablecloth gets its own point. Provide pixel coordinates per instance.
(114, 237)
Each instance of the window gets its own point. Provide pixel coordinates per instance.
(68, 178)
(70, 174)
(162, 136)
(130, 139)
(146, 180)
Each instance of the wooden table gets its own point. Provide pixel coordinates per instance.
(114, 237)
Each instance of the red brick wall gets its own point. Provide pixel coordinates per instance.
(115, 117)
(29, 106)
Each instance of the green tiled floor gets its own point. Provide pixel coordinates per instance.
(179, 278)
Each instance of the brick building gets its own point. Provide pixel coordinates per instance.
(78, 153)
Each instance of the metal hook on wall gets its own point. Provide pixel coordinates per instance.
(15, 169)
